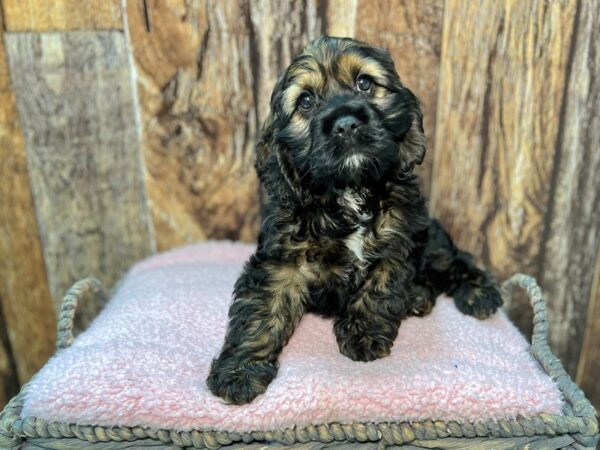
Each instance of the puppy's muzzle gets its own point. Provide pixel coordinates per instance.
(343, 117)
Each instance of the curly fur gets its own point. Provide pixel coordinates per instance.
(346, 232)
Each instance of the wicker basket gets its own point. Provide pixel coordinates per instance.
(576, 429)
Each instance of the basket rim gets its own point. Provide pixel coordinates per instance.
(579, 419)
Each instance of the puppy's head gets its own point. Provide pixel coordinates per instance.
(339, 116)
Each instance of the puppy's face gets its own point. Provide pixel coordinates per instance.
(340, 116)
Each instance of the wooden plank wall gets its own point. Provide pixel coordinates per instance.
(572, 231)
(584, 94)
(589, 361)
(516, 161)
(74, 96)
(153, 146)
(63, 15)
(27, 321)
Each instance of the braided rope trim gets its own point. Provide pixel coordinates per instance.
(579, 420)
(68, 307)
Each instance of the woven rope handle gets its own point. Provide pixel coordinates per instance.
(541, 350)
(536, 299)
(68, 308)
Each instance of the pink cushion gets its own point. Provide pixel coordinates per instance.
(145, 359)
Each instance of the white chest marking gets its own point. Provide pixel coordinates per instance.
(355, 243)
(354, 203)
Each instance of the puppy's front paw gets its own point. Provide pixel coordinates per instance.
(240, 383)
(477, 300)
(359, 341)
(422, 300)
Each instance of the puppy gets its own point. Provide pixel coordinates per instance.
(345, 233)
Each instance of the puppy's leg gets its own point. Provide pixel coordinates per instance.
(269, 300)
(370, 324)
(450, 270)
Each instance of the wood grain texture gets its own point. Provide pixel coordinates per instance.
(24, 293)
(584, 136)
(340, 18)
(165, 52)
(205, 72)
(412, 32)
(6, 373)
(195, 85)
(62, 15)
(502, 79)
(9, 382)
(589, 360)
(571, 240)
(74, 97)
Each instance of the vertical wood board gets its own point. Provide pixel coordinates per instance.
(26, 310)
(74, 96)
(340, 18)
(589, 360)
(571, 239)
(503, 73)
(62, 15)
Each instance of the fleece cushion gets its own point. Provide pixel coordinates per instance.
(144, 361)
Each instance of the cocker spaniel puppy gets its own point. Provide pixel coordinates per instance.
(345, 233)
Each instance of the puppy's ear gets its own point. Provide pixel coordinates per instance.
(412, 147)
(413, 144)
(263, 145)
(273, 164)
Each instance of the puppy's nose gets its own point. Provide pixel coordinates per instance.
(346, 125)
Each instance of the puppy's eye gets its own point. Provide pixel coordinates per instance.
(306, 101)
(364, 83)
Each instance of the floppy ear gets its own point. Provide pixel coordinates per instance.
(413, 145)
(263, 146)
(274, 165)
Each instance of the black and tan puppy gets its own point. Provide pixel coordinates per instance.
(345, 232)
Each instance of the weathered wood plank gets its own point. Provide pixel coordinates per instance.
(165, 51)
(24, 293)
(502, 82)
(74, 97)
(340, 18)
(9, 377)
(62, 15)
(9, 383)
(195, 85)
(206, 70)
(412, 32)
(572, 234)
(5, 373)
(589, 360)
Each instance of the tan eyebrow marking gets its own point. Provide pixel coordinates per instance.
(290, 97)
(305, 79)
(350, 65)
